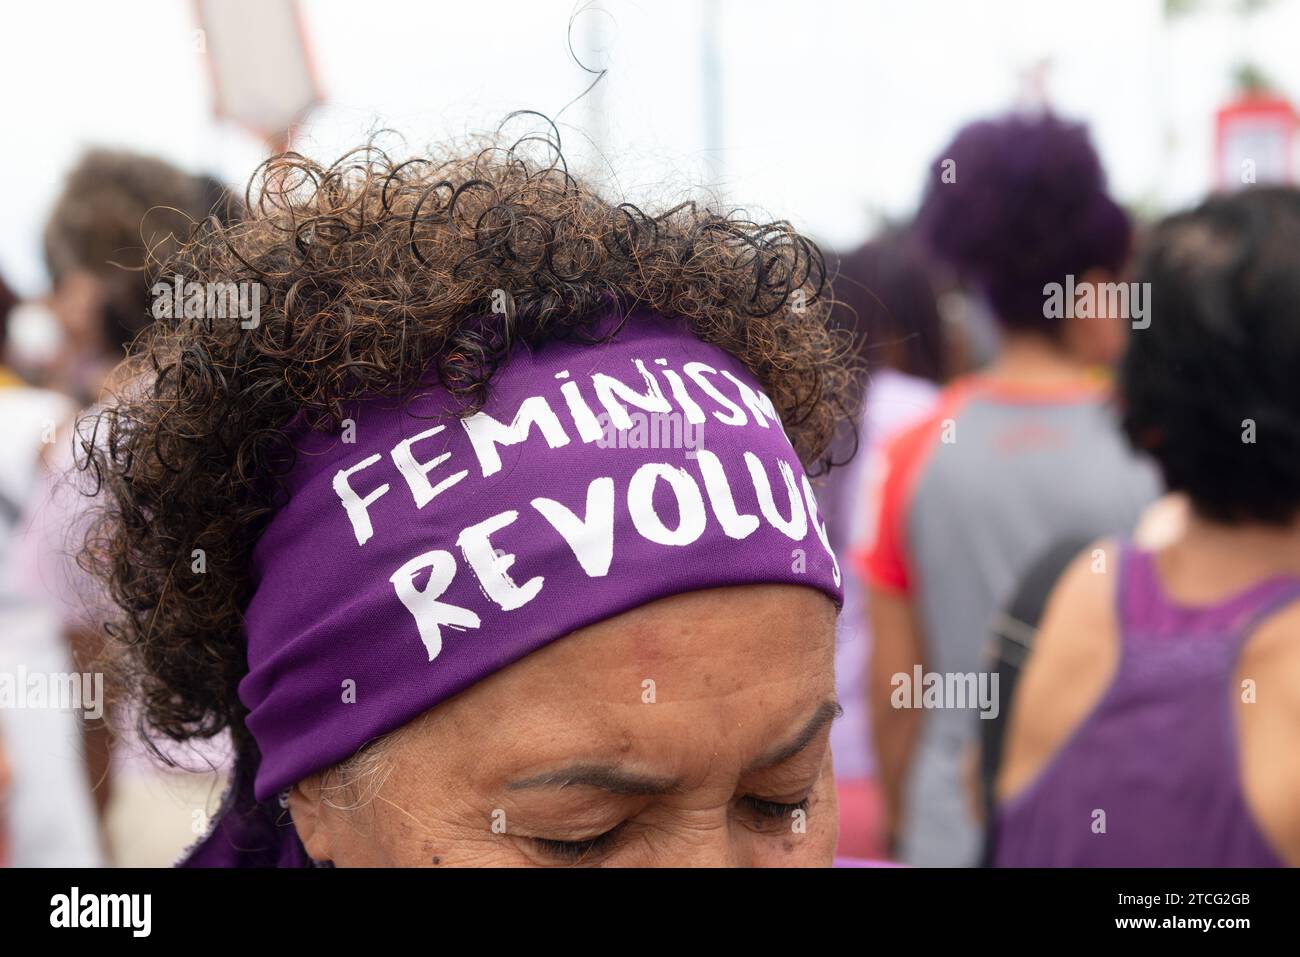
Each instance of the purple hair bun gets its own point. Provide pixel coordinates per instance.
(1018, 202)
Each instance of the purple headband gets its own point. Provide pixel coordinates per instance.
(418, 553)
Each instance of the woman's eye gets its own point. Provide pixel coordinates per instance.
(573, 852)
(773, 810)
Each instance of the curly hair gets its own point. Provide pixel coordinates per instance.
(1018, 202)
(376, 272)
(1210, 387)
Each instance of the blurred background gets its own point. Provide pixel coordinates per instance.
(828, 113)
(859, 93)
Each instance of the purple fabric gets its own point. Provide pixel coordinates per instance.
(1159, 752)
(652, 465)
(248, 832)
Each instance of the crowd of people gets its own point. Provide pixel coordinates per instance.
(983, 547)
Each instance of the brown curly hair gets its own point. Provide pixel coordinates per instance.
(373, 271)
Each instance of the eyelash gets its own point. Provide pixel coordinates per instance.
(774, 810)
(575, 851)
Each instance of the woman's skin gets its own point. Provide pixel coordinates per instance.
(723, 761)
(1076, 653)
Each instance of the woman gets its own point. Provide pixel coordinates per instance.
(1010, 459)
(117, 210)
(117, 213)
(47, 815)
(1155, 722)
(888, 293)
(467, 407)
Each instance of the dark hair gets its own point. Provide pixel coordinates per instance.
(885, 293)
(218, 200)
(8, 299)
(1019, 202)
(1221, 355)
(374, 271)
(120, 212)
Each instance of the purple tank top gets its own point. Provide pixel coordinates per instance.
(1158, 755)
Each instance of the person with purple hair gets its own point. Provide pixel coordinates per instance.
(1012, 458)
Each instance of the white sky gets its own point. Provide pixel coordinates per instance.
(831, 109)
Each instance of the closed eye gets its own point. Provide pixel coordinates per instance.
(773, 810)
(574, 852)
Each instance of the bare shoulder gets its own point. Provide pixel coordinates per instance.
(1274, 651)
(1073, 657)
(1086, 590)
(1079, 616)
(1267, 692)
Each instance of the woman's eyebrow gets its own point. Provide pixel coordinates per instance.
(605, 777)
(826, 712)
(617, 781)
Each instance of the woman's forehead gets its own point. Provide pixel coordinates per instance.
(735, 666)
(723, 637)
